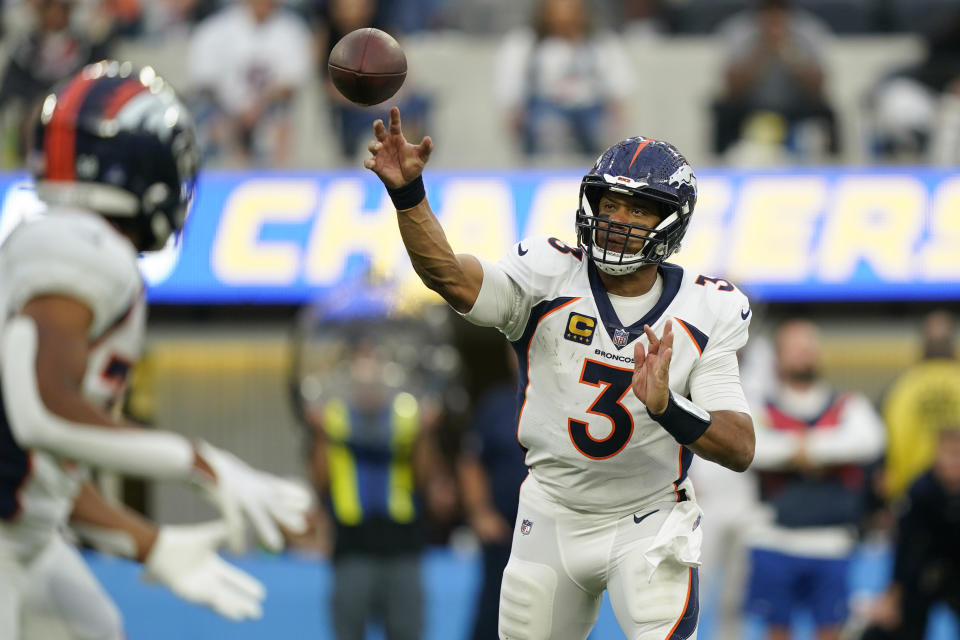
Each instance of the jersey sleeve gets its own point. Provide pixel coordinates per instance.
(526, 276)
(72, 256)
(715, 378)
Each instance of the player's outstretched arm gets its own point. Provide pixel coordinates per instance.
(44, 361)
(44, 356)
(725, 437)
(399, 164)
(184, 558)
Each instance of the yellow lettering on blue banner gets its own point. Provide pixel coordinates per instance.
(875, 219)
(478, 216)
(343, 228)
(239, 256)
(941, 255)
(774, 231)
(702, 245)
(553, 210)
(763, 229)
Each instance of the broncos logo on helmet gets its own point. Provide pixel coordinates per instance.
(642, 167)
(116, 140)
(683, 175)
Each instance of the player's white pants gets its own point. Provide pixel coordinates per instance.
(11, 587)
(562, 560)
(63, 601)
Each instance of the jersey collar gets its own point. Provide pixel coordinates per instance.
(671, 274)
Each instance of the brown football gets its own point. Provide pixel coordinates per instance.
(367, 66)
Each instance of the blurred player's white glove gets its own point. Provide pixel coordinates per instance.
(242, 492)
(184, 558)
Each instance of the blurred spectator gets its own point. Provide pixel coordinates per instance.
(161, 17)
(246, 64)
(638, 19)
(774, 84)
(927, 562)
(367, 386)
(811, 443)
(924, 399)
(51, 51)
(336, 19)
(411, 16)
(369, 448)
(491, 470)
(916, 110)
(561, 82)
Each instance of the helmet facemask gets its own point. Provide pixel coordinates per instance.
(595, 233)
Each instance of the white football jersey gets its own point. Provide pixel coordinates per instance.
(590, 443)
(78, 255)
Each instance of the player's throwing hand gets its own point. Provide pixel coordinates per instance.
(651, 369)
(394, 160)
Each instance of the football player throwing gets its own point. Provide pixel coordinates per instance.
(627, 369)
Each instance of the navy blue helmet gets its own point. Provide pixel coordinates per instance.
(645, 168)
(116, 140)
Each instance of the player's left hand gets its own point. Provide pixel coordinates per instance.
(651, 369)
(242, 492)
(185, 559)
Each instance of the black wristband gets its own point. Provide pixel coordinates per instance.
(682, 419)
(409, 195)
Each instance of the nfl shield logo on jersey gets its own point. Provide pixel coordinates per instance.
(620, 337)
(526, 526)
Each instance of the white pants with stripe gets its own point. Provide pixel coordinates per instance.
(562, 560)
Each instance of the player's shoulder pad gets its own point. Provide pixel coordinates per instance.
(545, 256)
(726, 306)
(722, 296)
(73, 254)
(87, 239)
(538, 265)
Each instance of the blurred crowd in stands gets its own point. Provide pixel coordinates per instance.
(562, 76)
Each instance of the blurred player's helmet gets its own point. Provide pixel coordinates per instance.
(116, 140)
(358, 345)
(647, 168)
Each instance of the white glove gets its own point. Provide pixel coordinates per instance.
(240, 492)
(184, 558)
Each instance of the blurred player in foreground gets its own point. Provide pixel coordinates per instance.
(114, 159)
(607, 504)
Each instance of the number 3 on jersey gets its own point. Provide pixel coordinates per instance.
(614, 383)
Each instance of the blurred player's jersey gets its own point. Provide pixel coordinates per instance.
(590, 442)
(77, 255)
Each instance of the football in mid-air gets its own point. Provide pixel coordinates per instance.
(367, 66)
